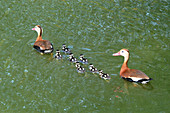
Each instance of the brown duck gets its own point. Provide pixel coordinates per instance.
(42, 46)
(132, 75)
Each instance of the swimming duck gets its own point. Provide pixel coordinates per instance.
(82, 59)
(42, 46)
(132, 75)
(77, 65)
(65, 49)
(72, 58)
(92, 68)
(58, 55)
(80, 69)
(104, 76)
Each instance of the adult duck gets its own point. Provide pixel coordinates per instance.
(42, 46)
(132, 75)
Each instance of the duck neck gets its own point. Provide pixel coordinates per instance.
(124, 66)
(39, 35)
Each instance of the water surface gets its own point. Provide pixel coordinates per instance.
(31, 82)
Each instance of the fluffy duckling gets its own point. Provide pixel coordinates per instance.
(65, 49)
(80, 69)
(104, 75)
(42, 46)
(82, 59)
(92, 68)
(58, 55)
(72, 58)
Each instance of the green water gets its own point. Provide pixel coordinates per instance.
(30, 82)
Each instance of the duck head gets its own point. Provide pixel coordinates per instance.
(64, 46)
(38, 29)
(57, 51)
(100, 71)
(71, 55)
(124, 53)
(91, 65)
(81, 55)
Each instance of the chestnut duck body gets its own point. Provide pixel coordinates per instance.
(132, 75)
(42, 46)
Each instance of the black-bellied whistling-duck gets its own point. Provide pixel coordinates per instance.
(65, 49)
(80, 69)
(82, 59)
(72, 58)
(58, 55)
(104, 76)
(42, 46)
(132, 75)
(92, 68)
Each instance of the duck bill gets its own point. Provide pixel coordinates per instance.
(116, 54)
(33, 29)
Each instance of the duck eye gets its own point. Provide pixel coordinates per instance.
(122, 51)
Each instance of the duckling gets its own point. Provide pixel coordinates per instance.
(58, 55)
(80, 69)
(92, 68)
(65, 49)
(72, 58)
(104, 75)
(82, 59)
(77, 65)
(42, 46)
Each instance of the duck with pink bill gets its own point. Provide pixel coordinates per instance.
(132, 75)
(42, 46)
